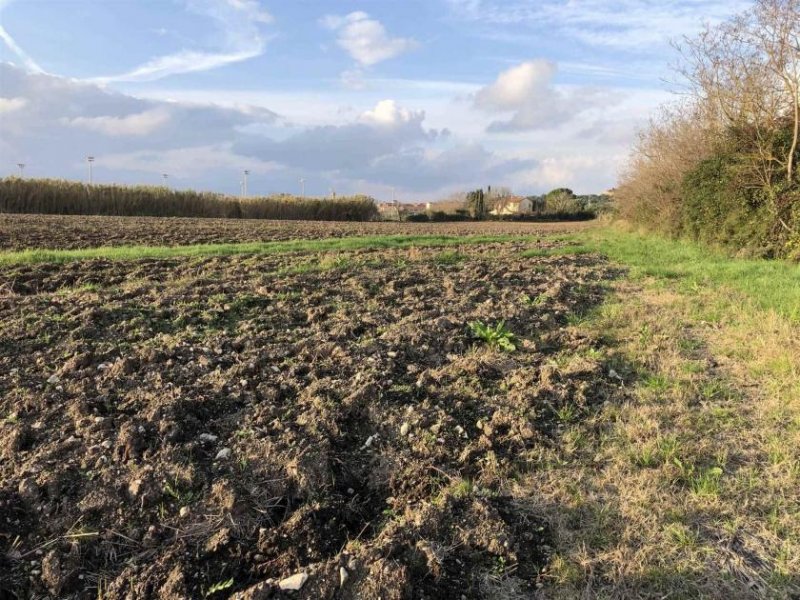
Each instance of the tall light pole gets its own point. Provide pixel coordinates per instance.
(244, 183)
(302, 187)
(165, 176)
(21, 170)
(90, 160)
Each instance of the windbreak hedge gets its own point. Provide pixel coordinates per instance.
(51, 196)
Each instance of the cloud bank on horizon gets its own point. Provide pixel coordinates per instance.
(423, 97)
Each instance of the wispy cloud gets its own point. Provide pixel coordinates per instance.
(137, 124)
(9, 41)
(239, 22)
(625, 24)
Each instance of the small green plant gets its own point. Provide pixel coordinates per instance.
(537, 301)
(218, 587)
(702, 482)
(449, 257)
(463, 489)
(495, 336)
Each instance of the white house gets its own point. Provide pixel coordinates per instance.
(512, 205)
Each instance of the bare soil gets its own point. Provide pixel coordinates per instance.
(169, 425)
(19, 232)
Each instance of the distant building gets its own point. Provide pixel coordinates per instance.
(391, 211)
(512, 205)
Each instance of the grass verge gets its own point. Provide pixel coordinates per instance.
(199, 250)
(685, 485)
(768, 284)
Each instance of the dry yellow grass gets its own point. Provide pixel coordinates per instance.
(690, 486)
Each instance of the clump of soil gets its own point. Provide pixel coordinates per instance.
(243, 426)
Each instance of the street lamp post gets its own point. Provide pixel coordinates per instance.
(302, 187)
(244, 187)
(21, 170)
(90, 160)
(165, 176)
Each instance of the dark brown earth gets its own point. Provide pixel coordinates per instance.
(59, 231)
(169, 425)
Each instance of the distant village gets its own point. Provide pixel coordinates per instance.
(499, 203)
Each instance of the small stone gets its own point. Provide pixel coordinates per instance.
(107, 444)
(370, 440)
(391, 354)
(223, 454)
(207, 437)
(295, 582)
(134, 487)
(275, 369)
(343, 576)
(53, 379)
(185, 511)
(351, 491)
(405, 428)
(28, 489)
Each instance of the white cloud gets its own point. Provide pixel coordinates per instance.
(187, 163)
(252, 9)
(12, 104)
(366, 39)
(527, 92)
(137, 124)
(207, 146)
(387, 113)
(239, 29)
(517, 86)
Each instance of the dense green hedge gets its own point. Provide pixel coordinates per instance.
(718, 208)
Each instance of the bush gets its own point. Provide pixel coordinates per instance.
(716, 208)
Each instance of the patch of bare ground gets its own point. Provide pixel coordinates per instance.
(237, 426)
(18, 232)
(690, 487)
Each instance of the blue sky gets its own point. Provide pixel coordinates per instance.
(426, 97)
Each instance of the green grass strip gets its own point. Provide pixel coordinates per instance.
(344, 244)
(769, 284)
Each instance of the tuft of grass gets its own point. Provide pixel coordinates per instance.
(559, 251)
(218, 587)
(495, 336)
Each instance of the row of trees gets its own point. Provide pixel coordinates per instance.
(558, 203)
(721, 165)
(50, 196)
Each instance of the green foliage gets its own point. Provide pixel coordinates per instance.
(476, 201)
(559, 192)
(718, 209)
(218, 587)
(50, 196)
(495, 336)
